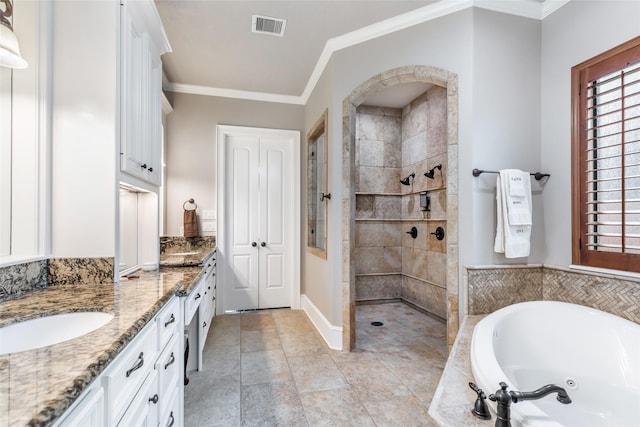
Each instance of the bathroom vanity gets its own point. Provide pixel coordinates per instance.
(130, 369)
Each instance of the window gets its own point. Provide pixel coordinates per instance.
(606, 159)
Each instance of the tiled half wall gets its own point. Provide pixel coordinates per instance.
(392, 143)
(493, 287)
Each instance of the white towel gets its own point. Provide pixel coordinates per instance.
(518, 196)
(513, 239)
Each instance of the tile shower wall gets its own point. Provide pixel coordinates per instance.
(378, 242)
(390, 145)
(493, 287)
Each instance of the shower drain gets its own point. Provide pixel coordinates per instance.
(377, 323)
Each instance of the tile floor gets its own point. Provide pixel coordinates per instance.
(270, 368)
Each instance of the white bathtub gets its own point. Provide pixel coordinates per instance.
(594, 355)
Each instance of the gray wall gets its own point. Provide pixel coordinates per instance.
(191, 145)
(514, 112)
(578, 31)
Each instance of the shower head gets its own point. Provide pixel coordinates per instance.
(405, 181)
(431, 173)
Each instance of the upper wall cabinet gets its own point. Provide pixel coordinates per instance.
(142, 43)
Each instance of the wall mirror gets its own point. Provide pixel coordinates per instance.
(317, 196)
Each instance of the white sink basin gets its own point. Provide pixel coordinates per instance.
(49, 330)
(184, 253)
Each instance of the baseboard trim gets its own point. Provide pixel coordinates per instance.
(331, 334)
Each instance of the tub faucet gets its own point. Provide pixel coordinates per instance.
(504, 399)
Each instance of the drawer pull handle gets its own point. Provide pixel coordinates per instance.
(138, 365)
(171, 419)
(154, 399)
(204, 324)
(172, 359)
(170, 321)
(197, 296)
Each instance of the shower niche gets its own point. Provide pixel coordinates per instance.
(400, 184)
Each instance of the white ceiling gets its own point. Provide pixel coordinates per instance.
(213, 45)
(215, 52)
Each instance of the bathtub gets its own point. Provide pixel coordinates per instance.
(594, 355)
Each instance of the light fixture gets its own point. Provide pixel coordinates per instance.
(9, 49)
(405, 181)
(432, 171)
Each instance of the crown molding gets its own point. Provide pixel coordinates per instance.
(233, 93)
(524, 8)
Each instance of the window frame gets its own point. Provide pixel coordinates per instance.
(317, 187)
(613, 60)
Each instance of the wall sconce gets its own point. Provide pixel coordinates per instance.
(406, 180)
(432, 171)
(9, 50)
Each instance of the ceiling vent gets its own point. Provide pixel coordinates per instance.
(267, 25)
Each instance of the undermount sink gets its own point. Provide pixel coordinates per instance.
(49, 330)
(184, 253)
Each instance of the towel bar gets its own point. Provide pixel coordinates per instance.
(191, 201)
(537, 175)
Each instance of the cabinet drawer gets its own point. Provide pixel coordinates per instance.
(169, 366)
(192, 301)
(123, 378)
(168, 320)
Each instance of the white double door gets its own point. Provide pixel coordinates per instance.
(259, 237)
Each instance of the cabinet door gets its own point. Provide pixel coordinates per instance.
(143, 411)
(89, 412)
(132, 60)
(141, 103)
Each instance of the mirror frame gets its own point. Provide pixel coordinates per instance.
(320, 128)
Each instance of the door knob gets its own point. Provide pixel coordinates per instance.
(254, 244)
(263, 244)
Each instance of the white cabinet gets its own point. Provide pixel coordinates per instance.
(141, 91)
(143, 384)
(88, 411)
(199, 309)
(207, 307)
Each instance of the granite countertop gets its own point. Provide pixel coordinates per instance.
(453, 400)
(179, 257)
(37, 386)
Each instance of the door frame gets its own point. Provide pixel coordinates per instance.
(221, 170)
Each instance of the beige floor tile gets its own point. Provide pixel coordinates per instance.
(257, 321)
(222, 360)
(264, 367)
(335, 408)
(372, 381)
(285, 374)
(259, 340)
(315, 372)
(212, 400)
(273, 404)
(399, 412)
(299, 344)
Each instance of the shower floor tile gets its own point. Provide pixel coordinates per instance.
(272, 368)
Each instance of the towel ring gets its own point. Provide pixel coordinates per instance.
(184, 205)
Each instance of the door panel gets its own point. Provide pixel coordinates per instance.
(275, 197)
(243, 211)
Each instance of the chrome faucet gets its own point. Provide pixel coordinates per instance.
(504, 399)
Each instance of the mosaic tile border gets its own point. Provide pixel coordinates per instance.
(493, 287)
